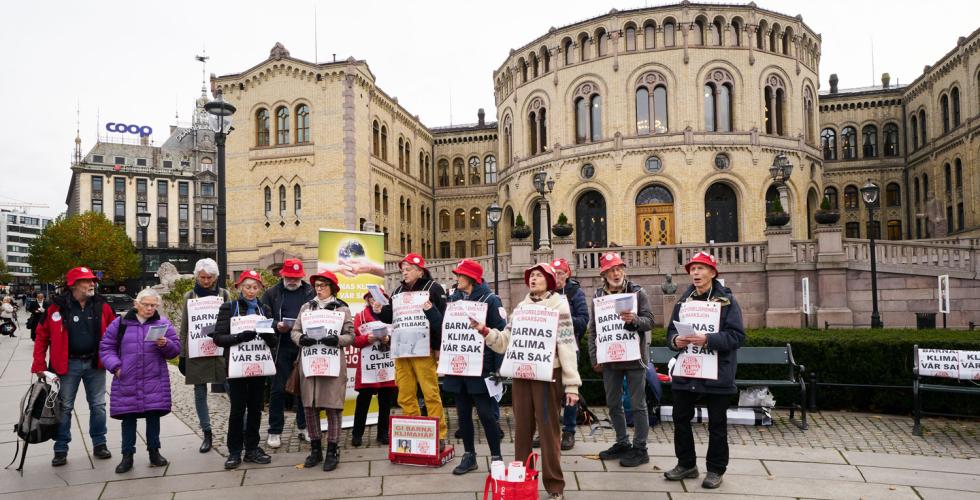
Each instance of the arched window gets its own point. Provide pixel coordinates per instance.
(891, 139)
(474, 165)
(851, 197)
(588, 111)
(828, 143)
(522, 64)
(458, 178)
(649, 35)
(697, 32)
(869, 141)
(915, 193)
(583, 47)
(384, 142)
(546, 59)
(737, 27)
(848, 141)
(787, 38)
(533, 65)
(773, 33)
(537, 124)
(297, 199)
(401, 208)
(376, 139)
(602, 43)
(925, 187)
(715, 33)
(459, 219)
(421, 167)
(955, 98)
(567, 50)
(282, 125)
(443, 173)
(408, 211)
(914, 131)
(401, 153)
(268, 201)
(282, 201)
(475, 218)
(262, 127)
(948, 177)
(775, 94)
(651, 104)
(808, 128)
(718, 103)
(760, 34)
(489, 169)
(669, 28)
(893, 195)
(922, 127)
(302, 124)
(630, 37)
(959, 176)
(508, 133)
(444, 220)
(377, 198)
(944, 106)
(830, 193)
(408, 157)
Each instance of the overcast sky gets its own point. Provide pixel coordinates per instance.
(133, 61)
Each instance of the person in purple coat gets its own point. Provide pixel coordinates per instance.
(141, 381)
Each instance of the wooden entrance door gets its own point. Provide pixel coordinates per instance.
(655, 224)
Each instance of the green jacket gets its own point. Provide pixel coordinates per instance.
(201, 370)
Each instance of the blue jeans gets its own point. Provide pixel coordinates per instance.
(79, 371)
(129, 432)
(568, 417)
(201, 405)
(277, 393)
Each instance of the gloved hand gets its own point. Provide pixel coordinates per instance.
(270, 338)
(330, 341)
(247, 336)
(306, 341)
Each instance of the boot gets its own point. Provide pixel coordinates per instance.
(316, 454)
(206, 442)
(356, 441)
(126, 465)
(567, 441)
(466, 465)
(156, 459)
(332, 458)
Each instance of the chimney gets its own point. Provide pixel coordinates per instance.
(833, 83)
(144, 140)
(481, 115)
(886, 80)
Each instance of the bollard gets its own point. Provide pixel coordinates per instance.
(972, 326)
(812, 405)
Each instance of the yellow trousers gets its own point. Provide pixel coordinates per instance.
(420, 371)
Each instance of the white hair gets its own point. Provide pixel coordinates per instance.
(207, 265)
(147, 292)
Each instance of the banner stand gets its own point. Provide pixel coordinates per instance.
(415, 441)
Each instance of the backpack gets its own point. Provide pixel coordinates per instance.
(40, 414)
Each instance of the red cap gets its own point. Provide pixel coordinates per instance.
(79, 273)
(561, 265)
(471, 269)
(249, 274)
(610, 260)
(703, 258)
(413, 259)
(292, 268)
(547, 270)
(325, 275)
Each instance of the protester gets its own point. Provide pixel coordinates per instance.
(572, 291)
(7, 324)
(411, 373)
(387, 392)
(715, 394)
(613, 273)
(472, 391)
(536, 402)
(325, 393)
(202, 371)
(247, 393)
(284, 300)
(141, 382)
(36, 307)
(72, 327)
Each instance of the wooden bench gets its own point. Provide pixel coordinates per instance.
(761, 356)
(918, 386)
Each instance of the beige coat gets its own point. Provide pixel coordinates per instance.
(325, 392)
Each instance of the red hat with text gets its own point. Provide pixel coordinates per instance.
(471, 269)
(248, 274)
(79, 273)
(292, 268)
(610, 260)
(561, 265)
(703, 258)
(547, 270)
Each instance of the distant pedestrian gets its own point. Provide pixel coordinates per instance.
(36, 308)
(7, 324)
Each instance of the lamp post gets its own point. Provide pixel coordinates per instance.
(143, 221)
(869, 192)
(780, 171)
(544, 184)
(220, 123)
(493, 216)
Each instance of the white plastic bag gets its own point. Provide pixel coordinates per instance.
(756, 396)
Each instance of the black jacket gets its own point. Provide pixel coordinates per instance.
(273, 298)
(491, 360)
(578, 307)
(730, 337)
(437, 295)
(222, 328)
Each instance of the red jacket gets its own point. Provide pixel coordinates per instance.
(51, 331)
(362, 341)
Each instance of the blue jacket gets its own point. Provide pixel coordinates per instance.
(491, 360)
(578, 307)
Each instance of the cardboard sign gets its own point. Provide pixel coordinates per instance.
(614, 343)
(531, 352)
(249, 359)
(377, 365)
(202, 313)
(320, 360)
(415, 436)
(944, 293)
(698, 317)
(410, 337)
(462, 348)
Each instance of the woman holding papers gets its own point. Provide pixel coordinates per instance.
(135, 349)
(246, 393)
(537, 402)
(322, 330)
(373, 338)
(706, 327)
(470, 391)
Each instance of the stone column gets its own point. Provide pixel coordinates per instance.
(520, 255)
(544, 239)
(562, 248)
(782, 311)
(830, 294)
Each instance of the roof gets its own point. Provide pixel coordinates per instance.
(463, 127)
(858, 91)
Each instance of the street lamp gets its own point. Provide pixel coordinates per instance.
(544, 184)
(220, 123)
(493, 215)
(781, 169)
(869, 192)
(143, 221)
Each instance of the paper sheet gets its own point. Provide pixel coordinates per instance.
(155, 333)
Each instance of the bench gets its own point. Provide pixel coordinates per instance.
(918, 386)
(761, 356)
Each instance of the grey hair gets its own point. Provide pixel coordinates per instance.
(207, 265)
(147, 292)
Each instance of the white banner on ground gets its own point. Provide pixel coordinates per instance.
(531, 352)
(698, 317)
(462, 348)
(249, 359)
(201, 313)
(613, 341)
(320, 360)
(377, 364)
(410, 337)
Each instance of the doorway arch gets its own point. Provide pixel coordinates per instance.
(590, 220)
(720, 214)
(654, 216)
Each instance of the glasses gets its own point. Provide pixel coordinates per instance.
(321, 284)
(144, 304)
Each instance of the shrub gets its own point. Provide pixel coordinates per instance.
(825, 203)
(519, 221)
(562, 220)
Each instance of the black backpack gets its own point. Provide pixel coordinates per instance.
(40, 414)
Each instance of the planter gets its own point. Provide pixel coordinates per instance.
(562, 230)
(826, 216)
(777, 219)
(520, 232)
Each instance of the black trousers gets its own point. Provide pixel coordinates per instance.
(683, 412)
(247, 398)
(486, 409)
(387, 398)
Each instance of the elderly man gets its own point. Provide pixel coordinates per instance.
(73, 327)
(613, 272)
(202, 370)
(284, 300)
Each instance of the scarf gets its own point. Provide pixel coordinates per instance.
(253, 306)
(200, 291)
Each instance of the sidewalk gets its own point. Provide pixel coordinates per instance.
(843, 455)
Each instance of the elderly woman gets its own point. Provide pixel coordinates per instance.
(9, 326)
(202, 371)
(537, 403)
(141, 382)
(324, 393)
(728, 336)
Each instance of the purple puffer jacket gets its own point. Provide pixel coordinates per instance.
(143, 383)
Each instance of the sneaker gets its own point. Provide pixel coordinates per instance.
(617, 450)
(556, 496)
(678, 473)
(536, 442)
(274, 441)
(567, 441)
(467, 464)
(635, 457)
(257, 456)
(711, 481)
(60, 458)
(302, 435)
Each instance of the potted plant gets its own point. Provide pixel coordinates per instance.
(562, 229)
(824, 215)
(776, 217)
(520, 230)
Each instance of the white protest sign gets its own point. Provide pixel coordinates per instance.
(939, 363)
(320, 360)
(415, 435)
(377, 364)
(614, 342)
(698, 317)
(201, 313)
(944, 293)
(410, 337)
(805, 284)
(249, 359)
(531, 352)
(969, 366)
(462, 348)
